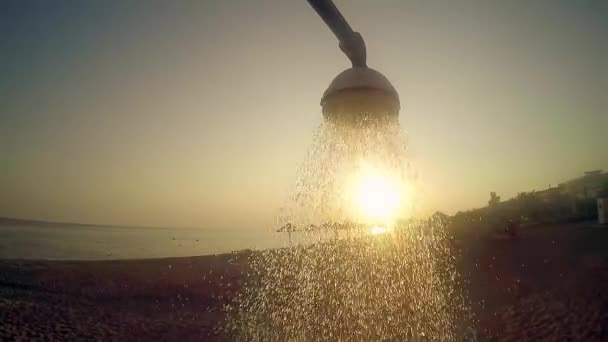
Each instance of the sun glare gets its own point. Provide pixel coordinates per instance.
(377, 196)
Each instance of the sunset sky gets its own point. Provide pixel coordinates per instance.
(197, 113)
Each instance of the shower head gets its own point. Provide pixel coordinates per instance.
(359, 95)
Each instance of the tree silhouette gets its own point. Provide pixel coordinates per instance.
(494, 199)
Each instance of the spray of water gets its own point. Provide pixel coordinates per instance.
(391, 284)
(339, 157)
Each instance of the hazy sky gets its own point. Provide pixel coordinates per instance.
(194, 113)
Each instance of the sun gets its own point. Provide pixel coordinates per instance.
(377, 195)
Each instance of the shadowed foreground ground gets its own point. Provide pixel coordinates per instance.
(549, 284)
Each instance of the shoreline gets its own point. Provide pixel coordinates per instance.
(242, 251)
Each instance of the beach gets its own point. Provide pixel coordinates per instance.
(549, 284)
(158, 299)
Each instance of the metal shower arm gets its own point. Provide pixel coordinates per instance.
(351, 42)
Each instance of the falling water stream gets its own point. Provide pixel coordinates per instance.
(339, 155)
(394, 284)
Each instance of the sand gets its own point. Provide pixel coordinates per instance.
(161, 299)
(549, 284)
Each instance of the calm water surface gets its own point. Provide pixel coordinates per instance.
(102, 242)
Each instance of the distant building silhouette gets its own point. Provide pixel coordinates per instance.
(593, 184)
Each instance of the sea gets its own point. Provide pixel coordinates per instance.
(92, 242)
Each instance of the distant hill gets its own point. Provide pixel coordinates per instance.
(24, 222)
(18, 221)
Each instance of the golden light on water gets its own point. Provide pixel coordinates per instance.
(379, 230)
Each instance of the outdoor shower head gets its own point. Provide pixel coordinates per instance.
(360, 95)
